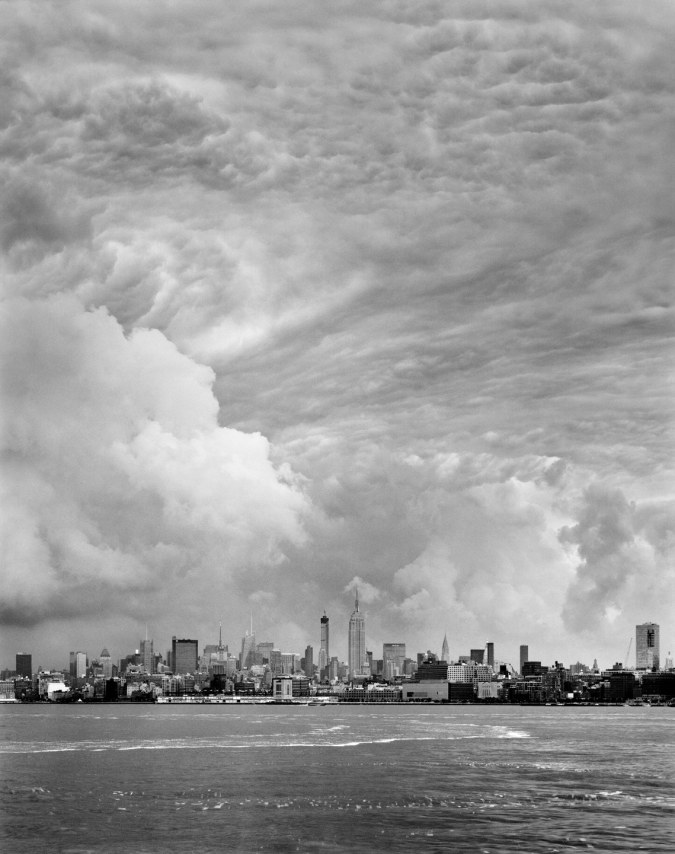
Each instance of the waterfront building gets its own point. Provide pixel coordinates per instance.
(356, 643)
(431, 690)
(7, 691)
(24, 664)
(324, 648)
(524, 656)
(282, 688)
(621, 686)
(472, 673)
(647, 646)
(430, 669)
(184, 655)
(659, 685)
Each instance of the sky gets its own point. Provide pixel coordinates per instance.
(302, 298)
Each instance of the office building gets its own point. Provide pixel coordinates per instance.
(184, 655)
(264, 652)
(147, 655)
(393, 658)
(105, 661)
(490, 647)
(431, 669)
(290, 663)
(247, 657)
(524, 655)
(309, 661)
(324, 648)
(445, 649)
(356, 643)
(78, 665)
(469, 673)
(477, 656)
(24, 664)
(647, 646)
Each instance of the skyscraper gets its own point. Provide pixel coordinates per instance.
(147, 654)
(324, 649)
(358, 658)
(248, 648)
(393, 658)
(24, 664)
(490, 647)
(524, 653)
(78, 665)
(445, 649)
(647, 646)
(106, 663)
(222, 650)
(184, 655)
(309, 660)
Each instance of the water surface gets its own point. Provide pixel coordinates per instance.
(145, 778)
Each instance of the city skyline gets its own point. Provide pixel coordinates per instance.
(321, 297)
(644, 650)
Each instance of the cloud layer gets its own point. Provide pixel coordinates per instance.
(298, 297)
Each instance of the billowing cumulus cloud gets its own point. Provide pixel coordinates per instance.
(118, 479)
(625, 553)
(302, 296)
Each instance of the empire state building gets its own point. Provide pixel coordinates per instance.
(358, 659)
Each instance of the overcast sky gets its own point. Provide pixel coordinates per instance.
(303, 296)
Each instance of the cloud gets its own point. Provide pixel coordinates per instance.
(308, 296)
(118, 480)
(621, 548)
(367, 593)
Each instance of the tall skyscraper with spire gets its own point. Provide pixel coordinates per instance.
(324, 648)
(445, 649)
(222, 650)
(358, 657)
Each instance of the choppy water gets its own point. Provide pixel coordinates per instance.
(122, 778)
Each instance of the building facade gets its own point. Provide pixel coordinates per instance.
(524, 656)
(324, 648)
(106, 663)
(147, 655)
(356, 643)
(184, 655)
(24, 664)
(647, 646)
(393, 660)
(445, 649)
